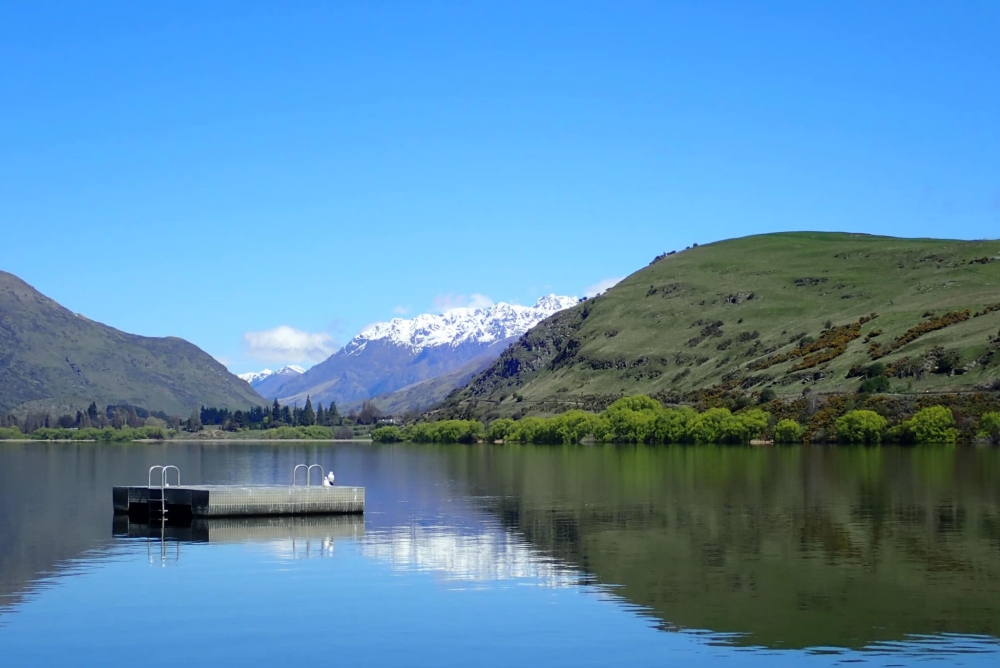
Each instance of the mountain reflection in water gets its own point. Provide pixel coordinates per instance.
(796, 547)
(893, 550)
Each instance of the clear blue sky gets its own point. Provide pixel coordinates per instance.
(210, 169)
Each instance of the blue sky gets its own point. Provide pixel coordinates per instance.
(206, 170)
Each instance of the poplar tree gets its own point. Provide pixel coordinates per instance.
(194, 422)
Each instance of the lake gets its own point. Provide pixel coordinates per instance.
(511, 555)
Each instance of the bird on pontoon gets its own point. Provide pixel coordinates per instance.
(328, 480)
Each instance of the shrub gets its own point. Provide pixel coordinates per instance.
(915, 333)
(743, 427)
(388, 434)
(709, 427)
(315, 432)
(788, 431)
(281, 433)
(344, 433)
(11, 433)
(948, 361)
(874, 385)
(633, 419)
(767, 394)
(499, 429)
(989, 426)
(673, 425)
(445, 431)
(935, 424)
(861, 426)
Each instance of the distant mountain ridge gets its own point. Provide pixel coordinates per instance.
(266, 381)
(257, 377)
(55, 360)
(461, 325)
(389, 356)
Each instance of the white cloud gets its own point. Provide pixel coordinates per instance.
(601, 286)
(400, 310)
(286, 344)
(447, 302)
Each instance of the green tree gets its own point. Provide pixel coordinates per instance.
(308, 417)
(633, 419)
(989, 426)
(746, 426)
(389, 434)
(709, 427)
(499, 430)
(934, 424)
(788, 431)
(673, 425)
(275, 413)
(861, 426)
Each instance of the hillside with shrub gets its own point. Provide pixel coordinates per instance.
(779, 316)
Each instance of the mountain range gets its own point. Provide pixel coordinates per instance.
(266, 382)
(792, 313)
(406, 364)
(52, 359)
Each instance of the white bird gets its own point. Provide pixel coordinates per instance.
(328, 480)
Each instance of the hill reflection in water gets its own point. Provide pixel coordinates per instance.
(797, 547)
(889, 549)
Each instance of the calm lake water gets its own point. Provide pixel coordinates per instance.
(512, 555)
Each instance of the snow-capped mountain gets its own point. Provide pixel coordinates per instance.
(461, 325)
(400, 353)
(255, 378)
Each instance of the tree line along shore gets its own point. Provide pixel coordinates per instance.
(123, 423)
(849, 419)
(641, 419)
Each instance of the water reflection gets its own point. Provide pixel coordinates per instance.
(294, 537)
(779, 548)
(490, 555)
(888, 554)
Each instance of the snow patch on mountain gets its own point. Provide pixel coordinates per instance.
(461, 325)
(255, 378)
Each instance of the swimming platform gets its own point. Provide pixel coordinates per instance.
(179, 502)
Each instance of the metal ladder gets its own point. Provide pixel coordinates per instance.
(156, 502)
(308, 468)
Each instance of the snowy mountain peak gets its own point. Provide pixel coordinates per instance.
(461, 325)
(255, 378)
(555, 303)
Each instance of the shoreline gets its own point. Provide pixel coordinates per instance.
(189, 440)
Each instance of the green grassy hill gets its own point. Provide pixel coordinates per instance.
(54, 360)
(783, 311)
